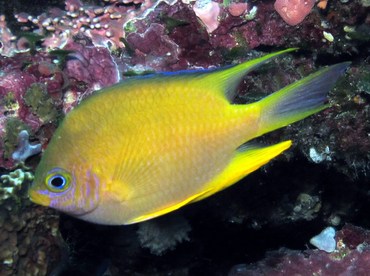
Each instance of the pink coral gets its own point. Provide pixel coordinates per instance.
(104, 25)
(238, 9)
(294, 12)
(208, 12)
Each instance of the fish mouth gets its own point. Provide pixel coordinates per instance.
(38, 198)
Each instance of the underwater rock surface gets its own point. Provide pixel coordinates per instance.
(54, 54)
(350, 258)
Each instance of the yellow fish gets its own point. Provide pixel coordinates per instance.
(150, 145)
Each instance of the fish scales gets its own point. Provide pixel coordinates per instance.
(170, 145)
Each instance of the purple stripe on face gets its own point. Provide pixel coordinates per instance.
(97, 183)
(45, 192)
(92, 190)
(88, 190)
(86, 198)
(80, 198)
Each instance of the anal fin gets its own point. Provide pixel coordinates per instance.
(246, 160)
(166, 210)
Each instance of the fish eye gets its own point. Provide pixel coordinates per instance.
(58, 180)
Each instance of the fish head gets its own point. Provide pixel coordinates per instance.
(71, 188)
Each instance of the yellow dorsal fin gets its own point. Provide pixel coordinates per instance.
(246, 160)
(226, 80)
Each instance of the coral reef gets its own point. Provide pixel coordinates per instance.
(154, 55)
(104, 25)
(30, 239)
(33, 97)
(55, 54)
(93, 66)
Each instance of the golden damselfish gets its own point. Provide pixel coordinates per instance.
(150, 145)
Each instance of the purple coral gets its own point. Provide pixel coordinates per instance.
(154, 48)
(15, 81)
(87, 68)
(92, 65)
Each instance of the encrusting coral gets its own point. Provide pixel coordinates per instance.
(294, 11)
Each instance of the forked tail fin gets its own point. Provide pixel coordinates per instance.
(299, 99)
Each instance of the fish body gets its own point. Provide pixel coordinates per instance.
(148, 146)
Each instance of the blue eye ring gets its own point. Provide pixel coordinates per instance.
(58, 180)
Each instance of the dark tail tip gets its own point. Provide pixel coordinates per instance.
(300, 99)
